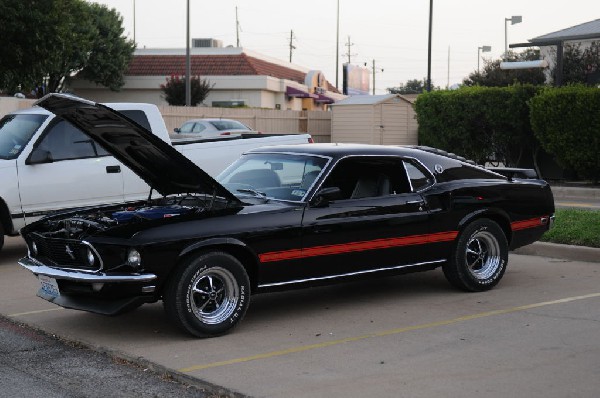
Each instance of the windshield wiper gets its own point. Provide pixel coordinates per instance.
(253, 192)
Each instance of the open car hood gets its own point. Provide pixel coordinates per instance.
(156, 162)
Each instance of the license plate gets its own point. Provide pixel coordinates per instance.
(49, 286)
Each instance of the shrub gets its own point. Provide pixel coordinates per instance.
(174, 90)
(482, 123)
(566, 121)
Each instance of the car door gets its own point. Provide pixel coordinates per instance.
(378, 221)
(76, 172)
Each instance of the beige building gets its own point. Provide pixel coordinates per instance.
(240, 78)
(374, 119)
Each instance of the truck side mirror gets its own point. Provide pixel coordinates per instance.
(39, 156)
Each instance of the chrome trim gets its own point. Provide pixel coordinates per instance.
(370, 271)
(40, 269)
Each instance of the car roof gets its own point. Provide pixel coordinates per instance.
(430, 157)
(337, 150)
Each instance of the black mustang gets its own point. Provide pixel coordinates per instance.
(279, 217)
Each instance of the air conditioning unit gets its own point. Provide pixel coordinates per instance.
(206, 43)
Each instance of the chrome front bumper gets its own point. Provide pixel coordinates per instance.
(80, 276)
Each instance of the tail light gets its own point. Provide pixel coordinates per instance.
(310, 140)
(226, 133)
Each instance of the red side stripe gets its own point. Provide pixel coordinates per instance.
(524, 224)
(357, 246)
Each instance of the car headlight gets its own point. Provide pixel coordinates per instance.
(134, 259)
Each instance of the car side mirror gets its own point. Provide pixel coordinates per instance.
(177, 130)
(326, 195)
(39, 156)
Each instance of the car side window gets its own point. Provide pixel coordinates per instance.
(365, 177)
(417, 177)
(198, 128)
(64, 141)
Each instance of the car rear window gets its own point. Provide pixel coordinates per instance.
(228, 125)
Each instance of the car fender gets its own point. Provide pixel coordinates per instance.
(246, 255)
(495, 214)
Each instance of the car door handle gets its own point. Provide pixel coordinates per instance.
(113, 169)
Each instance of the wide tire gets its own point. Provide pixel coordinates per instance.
(208, 294)
(479, 258)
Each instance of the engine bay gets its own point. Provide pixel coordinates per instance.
(78, 225)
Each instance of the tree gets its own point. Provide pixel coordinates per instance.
(493, 76)
(52, 40)
(414, 86)
(174, 90)
(580, 66)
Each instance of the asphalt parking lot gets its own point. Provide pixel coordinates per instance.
(537, 335)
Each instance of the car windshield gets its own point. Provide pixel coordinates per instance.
(273, 175)
(16, 131)
(186, 127)
(229, 125)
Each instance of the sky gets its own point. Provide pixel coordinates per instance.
(393, 34)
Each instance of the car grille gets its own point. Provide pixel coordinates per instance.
(63, 253)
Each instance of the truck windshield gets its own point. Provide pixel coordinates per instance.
(16, 131)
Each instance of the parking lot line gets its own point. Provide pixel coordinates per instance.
(297, 349)
(34, 312)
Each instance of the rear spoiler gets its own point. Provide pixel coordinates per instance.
(513, 172)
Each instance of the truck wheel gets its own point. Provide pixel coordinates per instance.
(208, 294)
(480, 257)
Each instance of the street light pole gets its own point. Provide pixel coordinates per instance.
(484, 49)
(188, 63)
(515, 19)
(337, 45)
(429, 47)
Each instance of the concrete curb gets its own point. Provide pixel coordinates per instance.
(562, 192)
(565, 252)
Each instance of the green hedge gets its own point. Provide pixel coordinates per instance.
(566, 121)
(480, 123)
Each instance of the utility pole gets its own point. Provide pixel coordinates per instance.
(134, 21)
(448, 81)
(348, 54)
(374, 70)
(237, 29)
(337, 45)
(188, 62)
(428, 83)
(292, 47)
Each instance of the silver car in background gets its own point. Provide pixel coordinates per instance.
(212, 128)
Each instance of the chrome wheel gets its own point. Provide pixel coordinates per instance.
(482, 255)
(214, 295)
(479, 258)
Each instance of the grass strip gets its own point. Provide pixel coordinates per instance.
(575, 227)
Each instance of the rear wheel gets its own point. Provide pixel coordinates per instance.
(208, 294)
(480, 257)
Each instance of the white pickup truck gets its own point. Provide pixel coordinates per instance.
(48, 165)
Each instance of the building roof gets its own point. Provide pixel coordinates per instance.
(231, 63)
(369, 99)
(588, 30)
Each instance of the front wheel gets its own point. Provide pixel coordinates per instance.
(208, 294)
(480, 257)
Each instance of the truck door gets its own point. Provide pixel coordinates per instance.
(66, 169)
